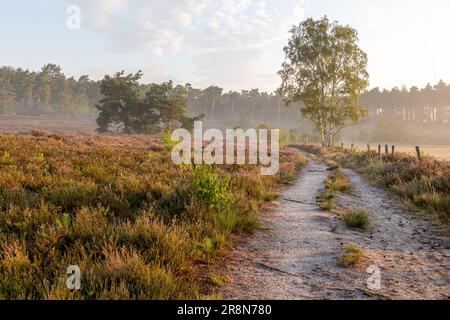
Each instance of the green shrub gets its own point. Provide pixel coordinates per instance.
(209, 189)
(351, 256)
(338, 181)
(167, 139)
(356, 219)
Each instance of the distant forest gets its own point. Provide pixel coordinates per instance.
(49, 92)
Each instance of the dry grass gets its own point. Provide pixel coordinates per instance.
(337, 181)
(351, 256)
(425, 184)
(137, 225)
(356, 219)
(26, 124)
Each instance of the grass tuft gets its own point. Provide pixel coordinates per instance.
(351, 256)
(356, 219)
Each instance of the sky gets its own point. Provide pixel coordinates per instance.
(236, 44)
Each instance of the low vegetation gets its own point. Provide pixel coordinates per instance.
(351, 256)
(356, 219)
(337, 181)
(326, 201)
(138, 226)
(425, 184)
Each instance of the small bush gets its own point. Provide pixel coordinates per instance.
(326, 201)
(209, 189)
(6, 158)
(327, 205)
(287, 177)
(338, 181)
(351, 256)
(356, 219)
(167, 139)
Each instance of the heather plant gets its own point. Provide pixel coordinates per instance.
(136, 225)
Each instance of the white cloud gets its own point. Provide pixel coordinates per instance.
(216, 34)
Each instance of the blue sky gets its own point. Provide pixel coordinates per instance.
(236, 44)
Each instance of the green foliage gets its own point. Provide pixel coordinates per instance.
(6, 158)
(46, 92)
(326, 201)
(167, 139)
(287, 177)
(121, 101)
(336, 181)
(41, 157)
(356, 219)
(125, 105)
(325, 70)
(210, 190)
(49, 92)
(7, 95)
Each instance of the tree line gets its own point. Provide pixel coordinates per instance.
(50, 92)
(430, 105)
(47, 92)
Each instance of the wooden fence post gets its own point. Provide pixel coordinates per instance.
(342, 146)
(379, 151)
(352, 147)
(419, 154)
(368, 148)
(393, 150)
(386, 149)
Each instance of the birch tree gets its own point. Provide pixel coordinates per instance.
(325, 71)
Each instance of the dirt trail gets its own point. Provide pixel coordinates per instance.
(295, 256)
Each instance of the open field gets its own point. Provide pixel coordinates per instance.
(440, 152)
(22, 124)
(138, 226)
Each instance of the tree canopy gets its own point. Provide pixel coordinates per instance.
(325, 70)
(160, 107)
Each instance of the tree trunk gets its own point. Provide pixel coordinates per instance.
(323, 137)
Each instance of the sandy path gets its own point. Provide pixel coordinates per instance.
(295, 256)
(412, 253)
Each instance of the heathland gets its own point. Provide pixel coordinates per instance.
(138, 226)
